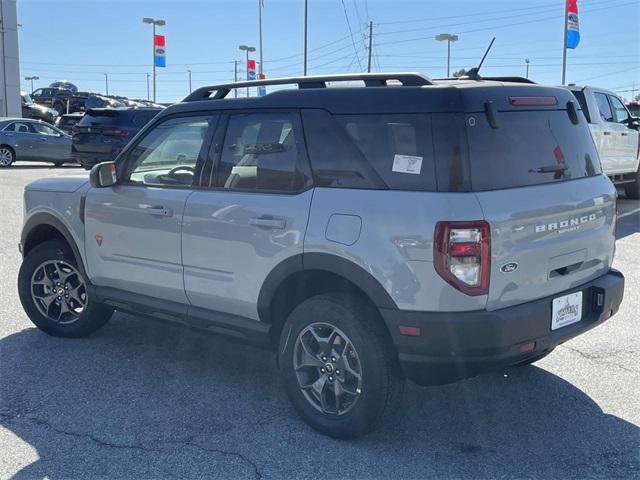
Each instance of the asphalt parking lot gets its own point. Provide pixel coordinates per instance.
(140, 399)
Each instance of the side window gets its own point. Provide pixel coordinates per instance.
(168, 153)
(44, 129)
(604, 108)
(260, 152)
(399, 147)
(37, 93)
(619, 110)
(18, 127)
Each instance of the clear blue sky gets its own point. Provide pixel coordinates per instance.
(82, 40)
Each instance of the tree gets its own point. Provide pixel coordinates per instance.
(459, 73)
(637, 99)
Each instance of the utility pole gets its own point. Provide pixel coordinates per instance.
(106, 83)
(306, 16)
(564, 43)
(526, 61)
(260, 5)
(235, 77)
(370, 45)
(189, 80)
(148, 97)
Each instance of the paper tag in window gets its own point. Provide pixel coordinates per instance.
(407, 164)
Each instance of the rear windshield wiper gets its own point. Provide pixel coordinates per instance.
(550, 168)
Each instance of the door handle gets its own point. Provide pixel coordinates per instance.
(268, 222)
(8, 134)
(158, 211)
(606, 133)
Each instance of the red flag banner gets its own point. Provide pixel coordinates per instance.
(158, 40)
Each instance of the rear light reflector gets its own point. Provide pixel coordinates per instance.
(462, 255)
(410, 331)
(527, 347)
(532, 101)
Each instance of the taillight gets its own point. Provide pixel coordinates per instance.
(462, 255)
(116, 132)
(75, 130)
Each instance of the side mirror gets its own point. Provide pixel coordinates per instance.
(103, 175)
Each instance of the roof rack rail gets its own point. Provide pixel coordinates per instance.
(408, 79)
(514, 79)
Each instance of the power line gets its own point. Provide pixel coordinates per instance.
(346, 16)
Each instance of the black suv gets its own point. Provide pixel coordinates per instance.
(30, 109)
(103, 132)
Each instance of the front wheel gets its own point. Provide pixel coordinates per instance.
(7, 156)
(53, 292)
(338, 365)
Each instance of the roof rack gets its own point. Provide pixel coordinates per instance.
(370, 80)
(514, 79)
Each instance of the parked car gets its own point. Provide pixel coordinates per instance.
(408, 227)
(32, 140)
(64, 85)
(101, 101)
(68, 121)
(30, 109)
(634, 109)
(616, 133)
(63, 101)
(103, 132)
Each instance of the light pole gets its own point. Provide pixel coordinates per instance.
(148, 97)
(106, 83)
(247, 49)
(448, 37)
(160, 23)
(189, 80)
(306, 19)
(526, 61)
(31, 79)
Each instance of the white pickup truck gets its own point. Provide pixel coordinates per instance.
(616, 134)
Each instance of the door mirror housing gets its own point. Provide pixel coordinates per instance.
(103, 175)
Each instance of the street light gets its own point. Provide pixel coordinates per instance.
(448, 37)
(189, 80)
(247, 49)
(526, 61)
(159, 23)
(31, 79)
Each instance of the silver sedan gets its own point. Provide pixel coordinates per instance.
(32, 140)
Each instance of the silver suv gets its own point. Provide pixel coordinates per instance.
(405, 227)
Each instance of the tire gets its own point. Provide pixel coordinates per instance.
(77, 316)
(531, 360)
(374, 396)
(59, 107)
(7, 156)
(632, 190)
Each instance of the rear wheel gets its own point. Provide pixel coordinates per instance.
(632, 190)
(53, 292)
(59, 107)
(338, 365)
(7, 156)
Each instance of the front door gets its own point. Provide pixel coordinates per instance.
(133, 228)
(627, 137)
(253, 217)
(54, 145)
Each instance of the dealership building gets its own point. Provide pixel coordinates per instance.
(10, 105)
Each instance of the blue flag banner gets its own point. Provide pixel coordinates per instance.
(573, 26)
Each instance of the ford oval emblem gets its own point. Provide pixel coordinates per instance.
(509, 267)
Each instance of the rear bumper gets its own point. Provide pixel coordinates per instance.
(456, 345)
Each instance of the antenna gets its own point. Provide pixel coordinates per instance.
(474, 73)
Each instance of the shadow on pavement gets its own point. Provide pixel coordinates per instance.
(141, 399)
(628, 225)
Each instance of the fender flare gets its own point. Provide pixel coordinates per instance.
(326, 262)
(44, 218)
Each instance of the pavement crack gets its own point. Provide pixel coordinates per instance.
(598, 358)
(103, 443)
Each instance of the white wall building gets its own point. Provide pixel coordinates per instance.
(10, 105)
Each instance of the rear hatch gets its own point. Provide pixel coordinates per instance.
(536, 173)
(106, 130)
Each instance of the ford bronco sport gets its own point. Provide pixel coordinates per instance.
(406, 227)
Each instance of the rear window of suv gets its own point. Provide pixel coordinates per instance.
(126, 118)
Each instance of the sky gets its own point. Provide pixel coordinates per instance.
(81, 40)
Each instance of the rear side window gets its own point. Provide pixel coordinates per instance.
(619, 110)
(399, 147)
(529, 148)
(261, 152)
(604, 108)
(579, 94)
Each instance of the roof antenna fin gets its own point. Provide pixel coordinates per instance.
(474, 73)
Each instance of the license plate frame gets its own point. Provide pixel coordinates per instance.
(566, 310)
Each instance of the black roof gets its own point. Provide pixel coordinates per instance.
(382, 93)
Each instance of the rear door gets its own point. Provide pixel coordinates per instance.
(24, 141)
(628, 137)
(133, 229)
(551, 212)
(254, 215)
(608, 136)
